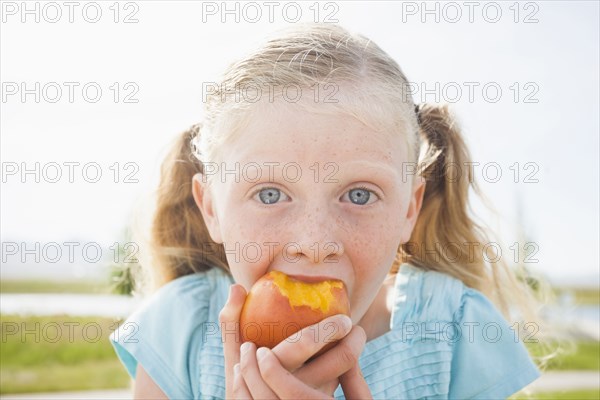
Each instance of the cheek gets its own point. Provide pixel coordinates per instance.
(372, 249)
(372, 256)
(374, 236)
(247, 247)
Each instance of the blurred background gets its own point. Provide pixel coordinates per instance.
(94, 92)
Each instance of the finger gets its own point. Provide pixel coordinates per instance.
(299, 347)
(240, 390)
(282, 381)
(229, 323)
(251, 374)
(354, 384)
(334, 362)
(330, 387)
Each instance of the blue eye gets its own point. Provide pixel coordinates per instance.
(360, 196)
(269, 195)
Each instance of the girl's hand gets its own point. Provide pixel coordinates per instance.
(229, 318)
(354, 385)
(283, 371)
(341, 362)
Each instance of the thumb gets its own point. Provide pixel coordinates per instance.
(229, 323)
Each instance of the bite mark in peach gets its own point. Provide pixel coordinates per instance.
(278, 306)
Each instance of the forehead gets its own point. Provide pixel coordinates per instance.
(286, 132)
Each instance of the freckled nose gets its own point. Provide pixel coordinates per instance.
(316, 236)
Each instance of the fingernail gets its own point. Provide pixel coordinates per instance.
(230, 292)
(245, 347)
(346, 323)
(261, 353)
(236, 369)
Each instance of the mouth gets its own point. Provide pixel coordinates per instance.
(313, 278)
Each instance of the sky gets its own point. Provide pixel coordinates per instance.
(522, 80)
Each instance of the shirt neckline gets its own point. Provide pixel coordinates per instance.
(401, 298)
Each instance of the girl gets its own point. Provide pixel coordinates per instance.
(313, 160)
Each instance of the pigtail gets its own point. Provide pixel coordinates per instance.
(179, 240)
(446, 237)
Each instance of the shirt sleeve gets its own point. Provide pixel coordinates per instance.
(488, 361)
(165, 335)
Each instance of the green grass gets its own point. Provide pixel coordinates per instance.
(582, 296)
(584, 356)
(587, 356)
(39, 286)
(83, 376)
(80, 358)
(574, 395)
(32, 363)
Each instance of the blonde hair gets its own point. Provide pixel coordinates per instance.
(376, 94)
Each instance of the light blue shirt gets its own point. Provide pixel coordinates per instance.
(447, 341)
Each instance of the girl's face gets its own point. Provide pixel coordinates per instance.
(313, 195)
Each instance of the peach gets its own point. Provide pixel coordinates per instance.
(278, 306)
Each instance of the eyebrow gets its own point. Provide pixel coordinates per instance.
(374, 169)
